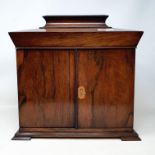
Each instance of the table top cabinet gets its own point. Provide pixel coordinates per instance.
(76, 79)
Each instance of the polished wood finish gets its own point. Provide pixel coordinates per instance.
(64, 31)
(108, 77)
(100, 39)
(75, 21)
(124, 134)
(76, 79)
(45, 88)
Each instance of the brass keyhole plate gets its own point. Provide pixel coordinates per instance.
(81, 92)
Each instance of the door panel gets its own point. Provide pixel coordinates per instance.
(45, 88)
(108, 79)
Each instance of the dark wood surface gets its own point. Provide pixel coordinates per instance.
(75, 18)
(76, 79)
(64, 31)
(122, 133)
(108, 77)
(105, 39)
(75, 21)
(45, 88)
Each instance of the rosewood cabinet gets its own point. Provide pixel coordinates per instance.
(76, 79)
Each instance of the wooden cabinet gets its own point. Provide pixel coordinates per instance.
(76, 79)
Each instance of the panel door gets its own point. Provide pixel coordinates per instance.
(45, 88)
(106, 78)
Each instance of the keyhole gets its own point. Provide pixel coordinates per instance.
(81, 92)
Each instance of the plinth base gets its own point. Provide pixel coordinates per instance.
(28, 133)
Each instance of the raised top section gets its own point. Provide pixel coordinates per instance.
(75, 21)
(79, 31)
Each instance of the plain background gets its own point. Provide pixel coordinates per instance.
(127, 14)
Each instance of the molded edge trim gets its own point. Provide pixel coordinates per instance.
(28, 133)
(74, 40)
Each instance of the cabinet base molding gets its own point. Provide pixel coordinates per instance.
(125, 134)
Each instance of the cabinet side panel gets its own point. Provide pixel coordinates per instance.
(45, 88)
(108, 78)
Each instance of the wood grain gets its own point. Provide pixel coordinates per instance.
(28, 133)
(105, 39)
(108, 78)
(45, 85)
(75, 21)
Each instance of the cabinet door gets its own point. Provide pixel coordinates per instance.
(106, 79)
(45, 88)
